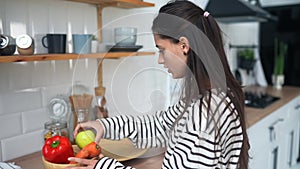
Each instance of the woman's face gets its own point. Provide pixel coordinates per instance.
(171, 56)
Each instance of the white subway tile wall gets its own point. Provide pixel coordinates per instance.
(24, 105)
(21, 144)
(26, 88)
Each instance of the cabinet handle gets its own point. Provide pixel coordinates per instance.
(275, 157)
(275, 122)
(291, 148)
(272, 131)
(297, 106)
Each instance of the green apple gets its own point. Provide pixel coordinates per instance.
(84, 138)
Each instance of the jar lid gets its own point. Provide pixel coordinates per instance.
(23, 41)
(59, 107)
(55, 125)
(4, 40)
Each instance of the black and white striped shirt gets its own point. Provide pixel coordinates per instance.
(196, 141)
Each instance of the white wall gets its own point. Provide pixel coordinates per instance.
(245, 34)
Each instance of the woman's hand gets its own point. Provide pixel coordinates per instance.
(91, 124)
(84, 163)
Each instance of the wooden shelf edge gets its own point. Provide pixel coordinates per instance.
(68, 56)
(118, 3)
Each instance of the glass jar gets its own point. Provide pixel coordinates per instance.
(55, 127)
(82, 115)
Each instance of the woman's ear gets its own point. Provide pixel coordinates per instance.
(184, 44)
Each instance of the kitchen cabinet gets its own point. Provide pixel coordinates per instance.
(292, 134)
(274, 140)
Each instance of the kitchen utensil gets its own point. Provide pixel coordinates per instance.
(25, 44)
(238, 76)
(100, 108)
(7, 45)
(82, 43)
(81, 105)
(56, 43)
(125, 36)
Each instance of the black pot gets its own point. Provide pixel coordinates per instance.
(246, 64)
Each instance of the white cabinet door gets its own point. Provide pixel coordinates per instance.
(259, 146)
(265, 141)
(292, 134)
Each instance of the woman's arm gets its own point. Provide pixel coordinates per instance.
(144, 131)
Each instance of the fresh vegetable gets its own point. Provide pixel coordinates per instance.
(84, 138)
(93, 148)
(89, 151)
(58, 149)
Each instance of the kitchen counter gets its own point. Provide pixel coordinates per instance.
(34, 161)
(286, 94)
(253, 115)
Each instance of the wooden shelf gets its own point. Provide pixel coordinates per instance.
(100, 4)
(67, 56)
(118, 3)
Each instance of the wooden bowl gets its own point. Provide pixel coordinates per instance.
(49, 165)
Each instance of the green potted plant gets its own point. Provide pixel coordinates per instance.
(246, 59)
(280, 50)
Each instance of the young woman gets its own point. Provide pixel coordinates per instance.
(206, 128)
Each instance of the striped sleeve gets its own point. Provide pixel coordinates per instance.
(107, 162)
(144, 131)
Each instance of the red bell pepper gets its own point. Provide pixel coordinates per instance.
(58, 149)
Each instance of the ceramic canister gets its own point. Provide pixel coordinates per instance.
(7, 45)
(25, 44)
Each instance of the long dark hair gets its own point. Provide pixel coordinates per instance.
(183, 18)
